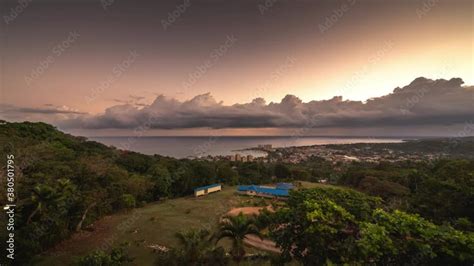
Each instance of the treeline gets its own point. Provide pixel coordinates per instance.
(442, 190)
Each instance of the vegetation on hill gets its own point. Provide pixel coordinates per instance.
(442, 191)
(335, 226)
(404, 211)
(65, 183)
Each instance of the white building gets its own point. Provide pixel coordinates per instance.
(201, 191)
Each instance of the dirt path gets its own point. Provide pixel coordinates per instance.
(102, 230)
(249, 210)
(252, 240)
(264, 244)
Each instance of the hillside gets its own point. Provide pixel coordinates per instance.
(69, 186)
(65, 183)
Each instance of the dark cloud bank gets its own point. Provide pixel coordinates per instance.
(422, 102)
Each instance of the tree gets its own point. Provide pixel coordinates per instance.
(314, 232)
(399, 238)
(194, 244)
(320, 227)
(195, 248)
(226, 174)
(383, 188)
(162, 178)
(42, 195)
(204, 172)
(236, 228)
(282, 171)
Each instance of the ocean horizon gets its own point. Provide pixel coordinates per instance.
(199, 146)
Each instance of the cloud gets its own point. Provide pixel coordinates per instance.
(49, 113)
(54, 110)
(422, 102)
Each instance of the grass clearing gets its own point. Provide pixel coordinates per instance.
(156, 223)
(307, 184)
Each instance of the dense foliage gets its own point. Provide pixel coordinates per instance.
(341, 226)
(115, 257)
(65, 183)
(442, 190)
(199, 247)
(196, 248)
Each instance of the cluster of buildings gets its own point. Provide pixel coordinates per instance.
(267, 147)
(240, 158)
(280, 190)
(347, 153)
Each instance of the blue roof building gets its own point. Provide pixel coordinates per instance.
(263, 191)
(285, 186)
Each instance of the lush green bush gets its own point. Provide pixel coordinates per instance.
(128, 201)
(342, 226)
(117, 256)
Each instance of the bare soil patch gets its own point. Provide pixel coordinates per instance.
(249, 210)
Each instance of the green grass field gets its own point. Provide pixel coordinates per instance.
(307, 184)
(155, 223)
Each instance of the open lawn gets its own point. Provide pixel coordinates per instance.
(153, 224)
(307, 184)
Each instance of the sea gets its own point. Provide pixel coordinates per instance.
(192, 147)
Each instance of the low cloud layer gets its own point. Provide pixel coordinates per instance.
(46, 113)
(422, 102)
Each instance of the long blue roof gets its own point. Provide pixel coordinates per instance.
(265, 190)
(284, 186)
(206, 187)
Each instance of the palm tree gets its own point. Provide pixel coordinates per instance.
(194, 244)
(41, 196)
(236, 228)
(195, 248)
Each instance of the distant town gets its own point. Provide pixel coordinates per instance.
(414, 150)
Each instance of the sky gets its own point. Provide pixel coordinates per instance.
(98, 67)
